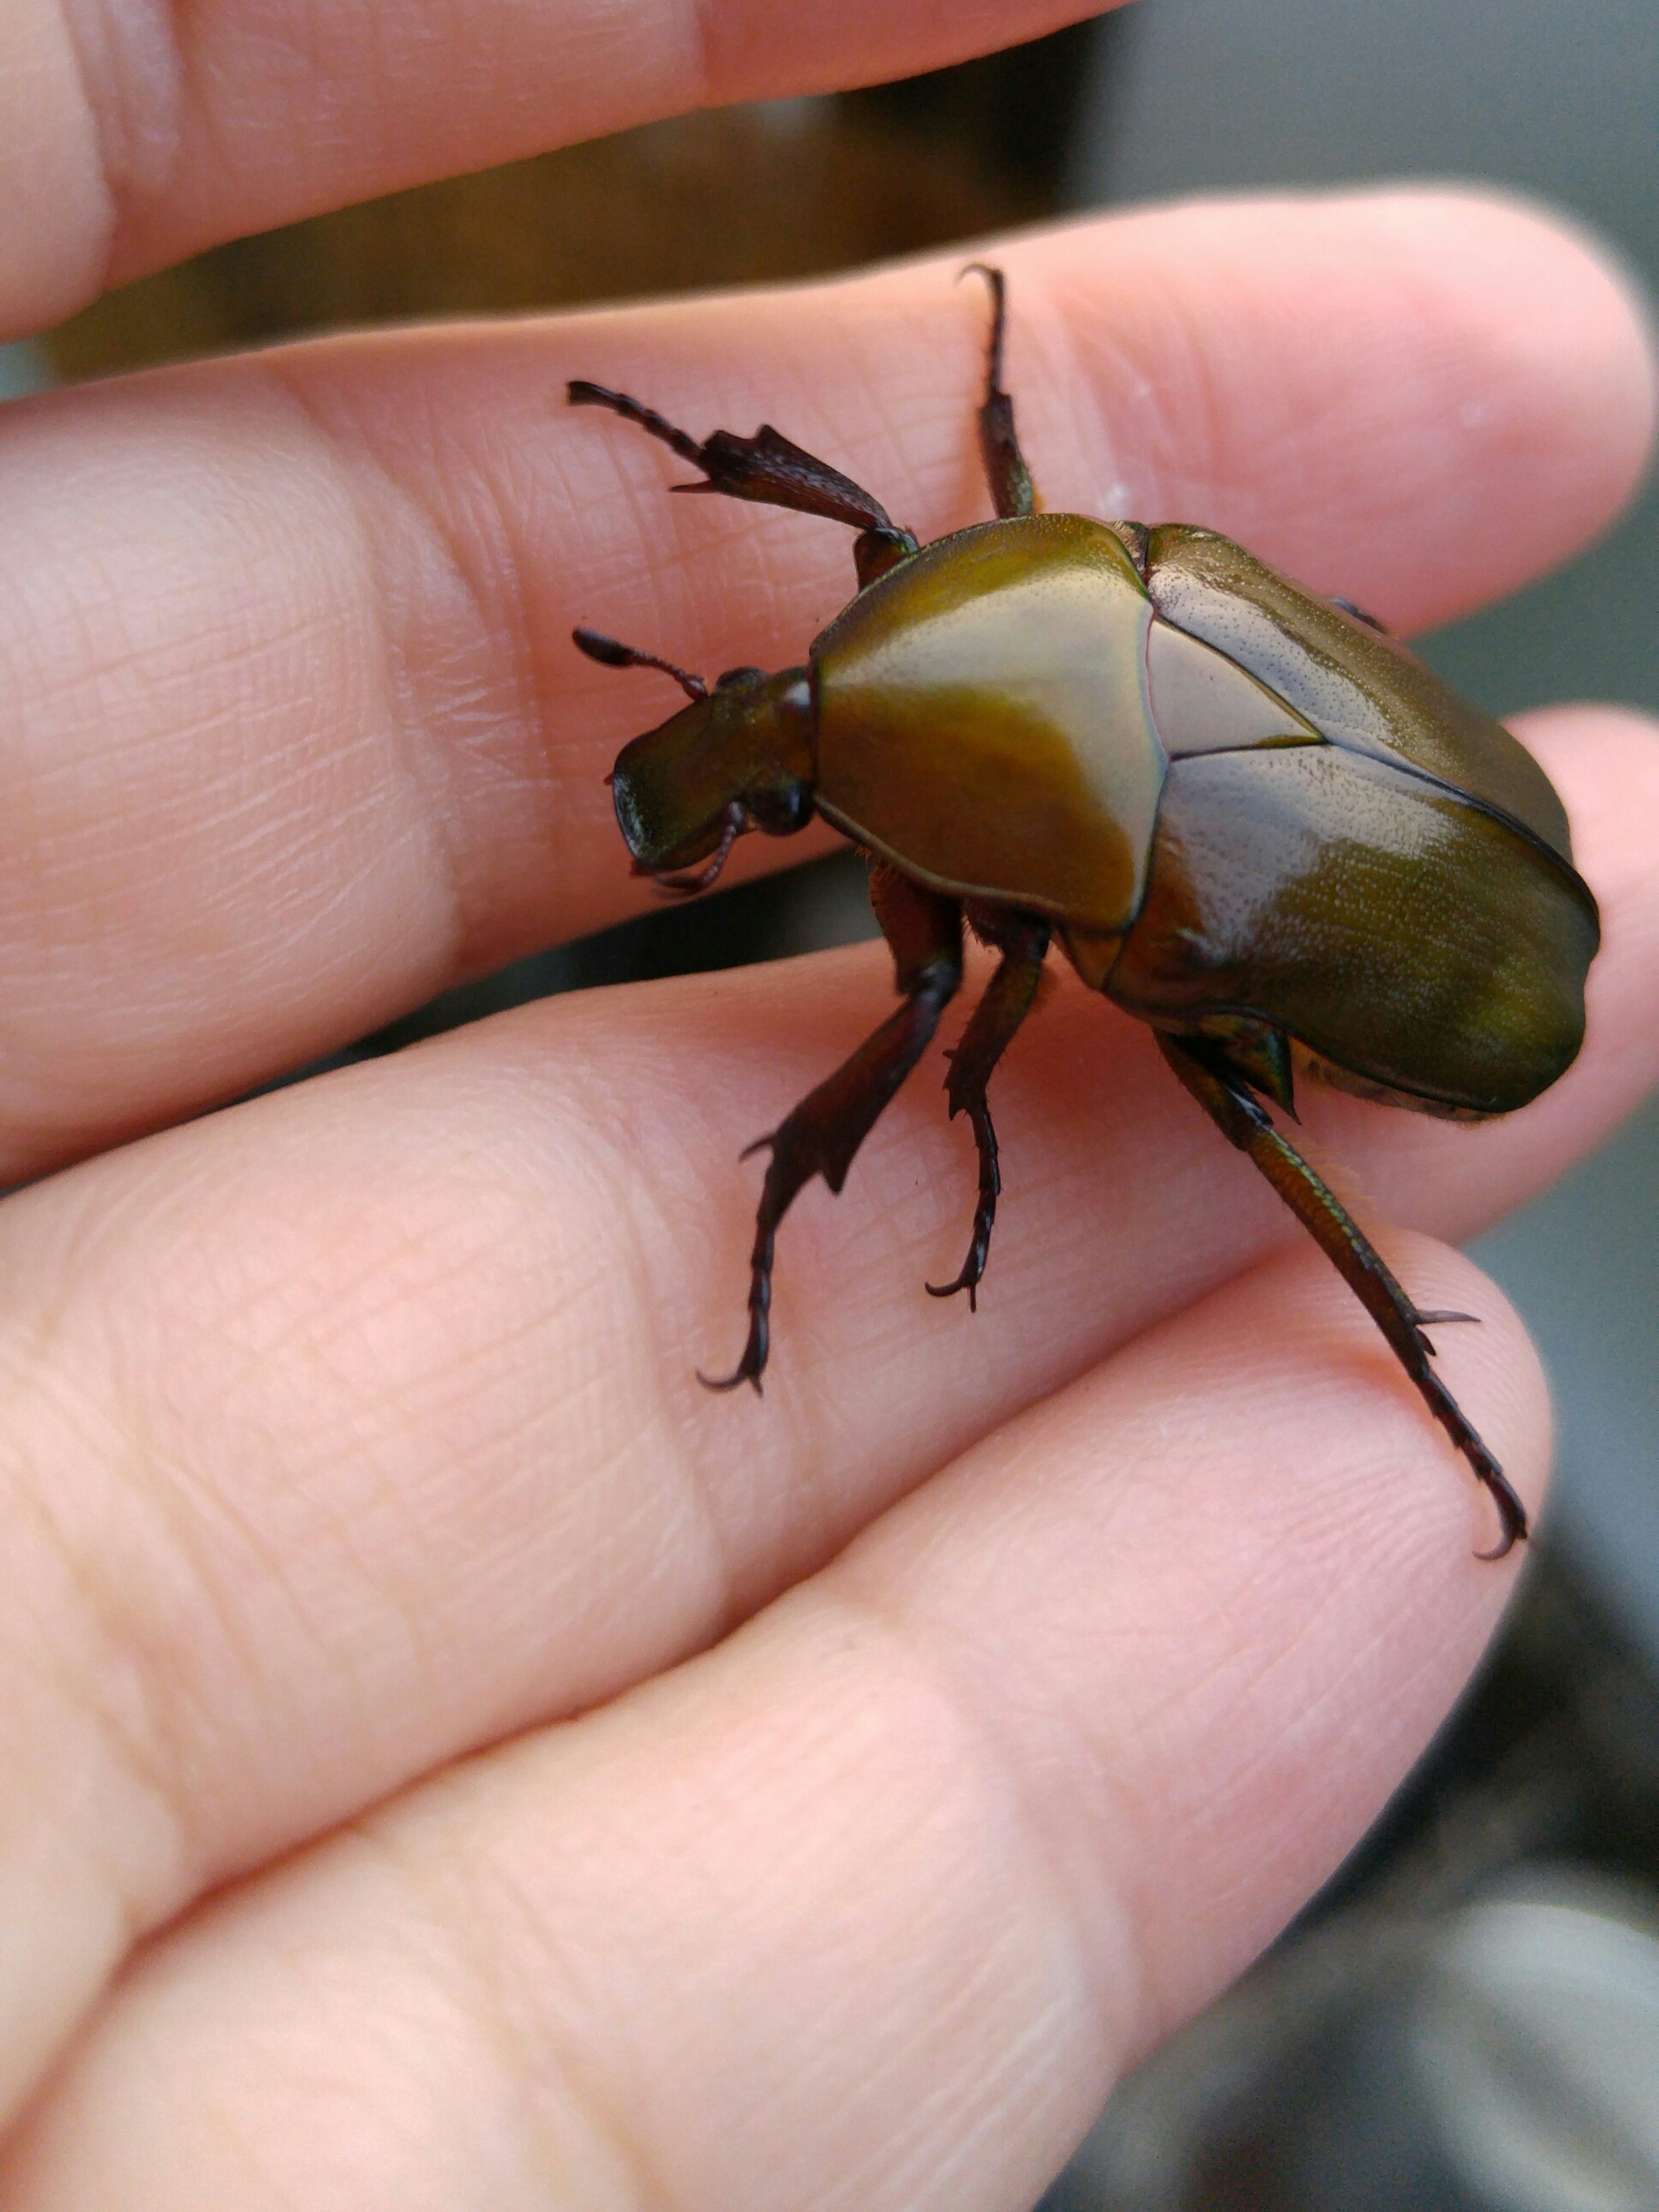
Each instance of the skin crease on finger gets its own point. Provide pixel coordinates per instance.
(298, 735)
(868, 1905)
(357, 1427)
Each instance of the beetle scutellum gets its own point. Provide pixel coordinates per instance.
(1245, 814)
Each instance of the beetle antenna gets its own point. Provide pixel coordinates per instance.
(609, 653)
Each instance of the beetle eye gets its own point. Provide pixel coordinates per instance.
(737, 679)
(780, 810)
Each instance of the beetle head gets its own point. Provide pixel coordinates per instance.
(738, 757)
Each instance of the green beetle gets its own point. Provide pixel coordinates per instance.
(1246, 814)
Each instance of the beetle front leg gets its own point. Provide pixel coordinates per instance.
(771, 470)
(1245, 1122)
(826, 1129)
(1023, 941)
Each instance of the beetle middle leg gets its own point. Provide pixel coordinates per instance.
(1245, 1122)
(1012, 490)
(826, 1129)
(1023, 941)
(770, 469)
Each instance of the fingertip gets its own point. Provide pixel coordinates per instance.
(1475, 370)
(1604, 761)
(1567, 328)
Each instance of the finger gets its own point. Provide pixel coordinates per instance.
(297, 733)
(133, 137)
(356, 1428)
(872, 1903)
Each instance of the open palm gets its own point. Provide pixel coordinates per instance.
(448, 1758)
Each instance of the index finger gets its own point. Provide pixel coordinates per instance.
(295, 734)
(131, 136)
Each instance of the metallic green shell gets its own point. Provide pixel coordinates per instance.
(1241, 804)
(1359, 689)
(1405, 937)
(982, 718)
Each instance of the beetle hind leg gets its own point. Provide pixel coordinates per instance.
(1022, 940)
(1012, 490)
(1245, 1123)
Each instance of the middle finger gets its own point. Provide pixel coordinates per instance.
(296, 736)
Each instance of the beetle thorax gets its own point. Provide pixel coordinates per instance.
(982, 718)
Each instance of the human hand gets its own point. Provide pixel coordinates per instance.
(449, 1759)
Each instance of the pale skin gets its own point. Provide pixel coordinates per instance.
(447, 1758)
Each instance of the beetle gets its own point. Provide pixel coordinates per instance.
(1244, 812)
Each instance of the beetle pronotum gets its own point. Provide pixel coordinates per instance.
(1243, 812)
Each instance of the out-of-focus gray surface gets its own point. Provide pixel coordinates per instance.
(1222, 92)
(1494, 2056)
(1561, 102)
(1582, 1264)
(22, 368)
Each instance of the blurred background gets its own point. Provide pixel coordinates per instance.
(1468, 2017)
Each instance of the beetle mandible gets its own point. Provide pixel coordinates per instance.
(1244, 812)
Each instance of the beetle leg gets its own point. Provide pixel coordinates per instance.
(1012, 487)
(1244, 1121)
(826, 1129)
(1022, 940)
(1370, 621)
(771, 470)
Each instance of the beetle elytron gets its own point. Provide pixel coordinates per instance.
(1245, 813)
